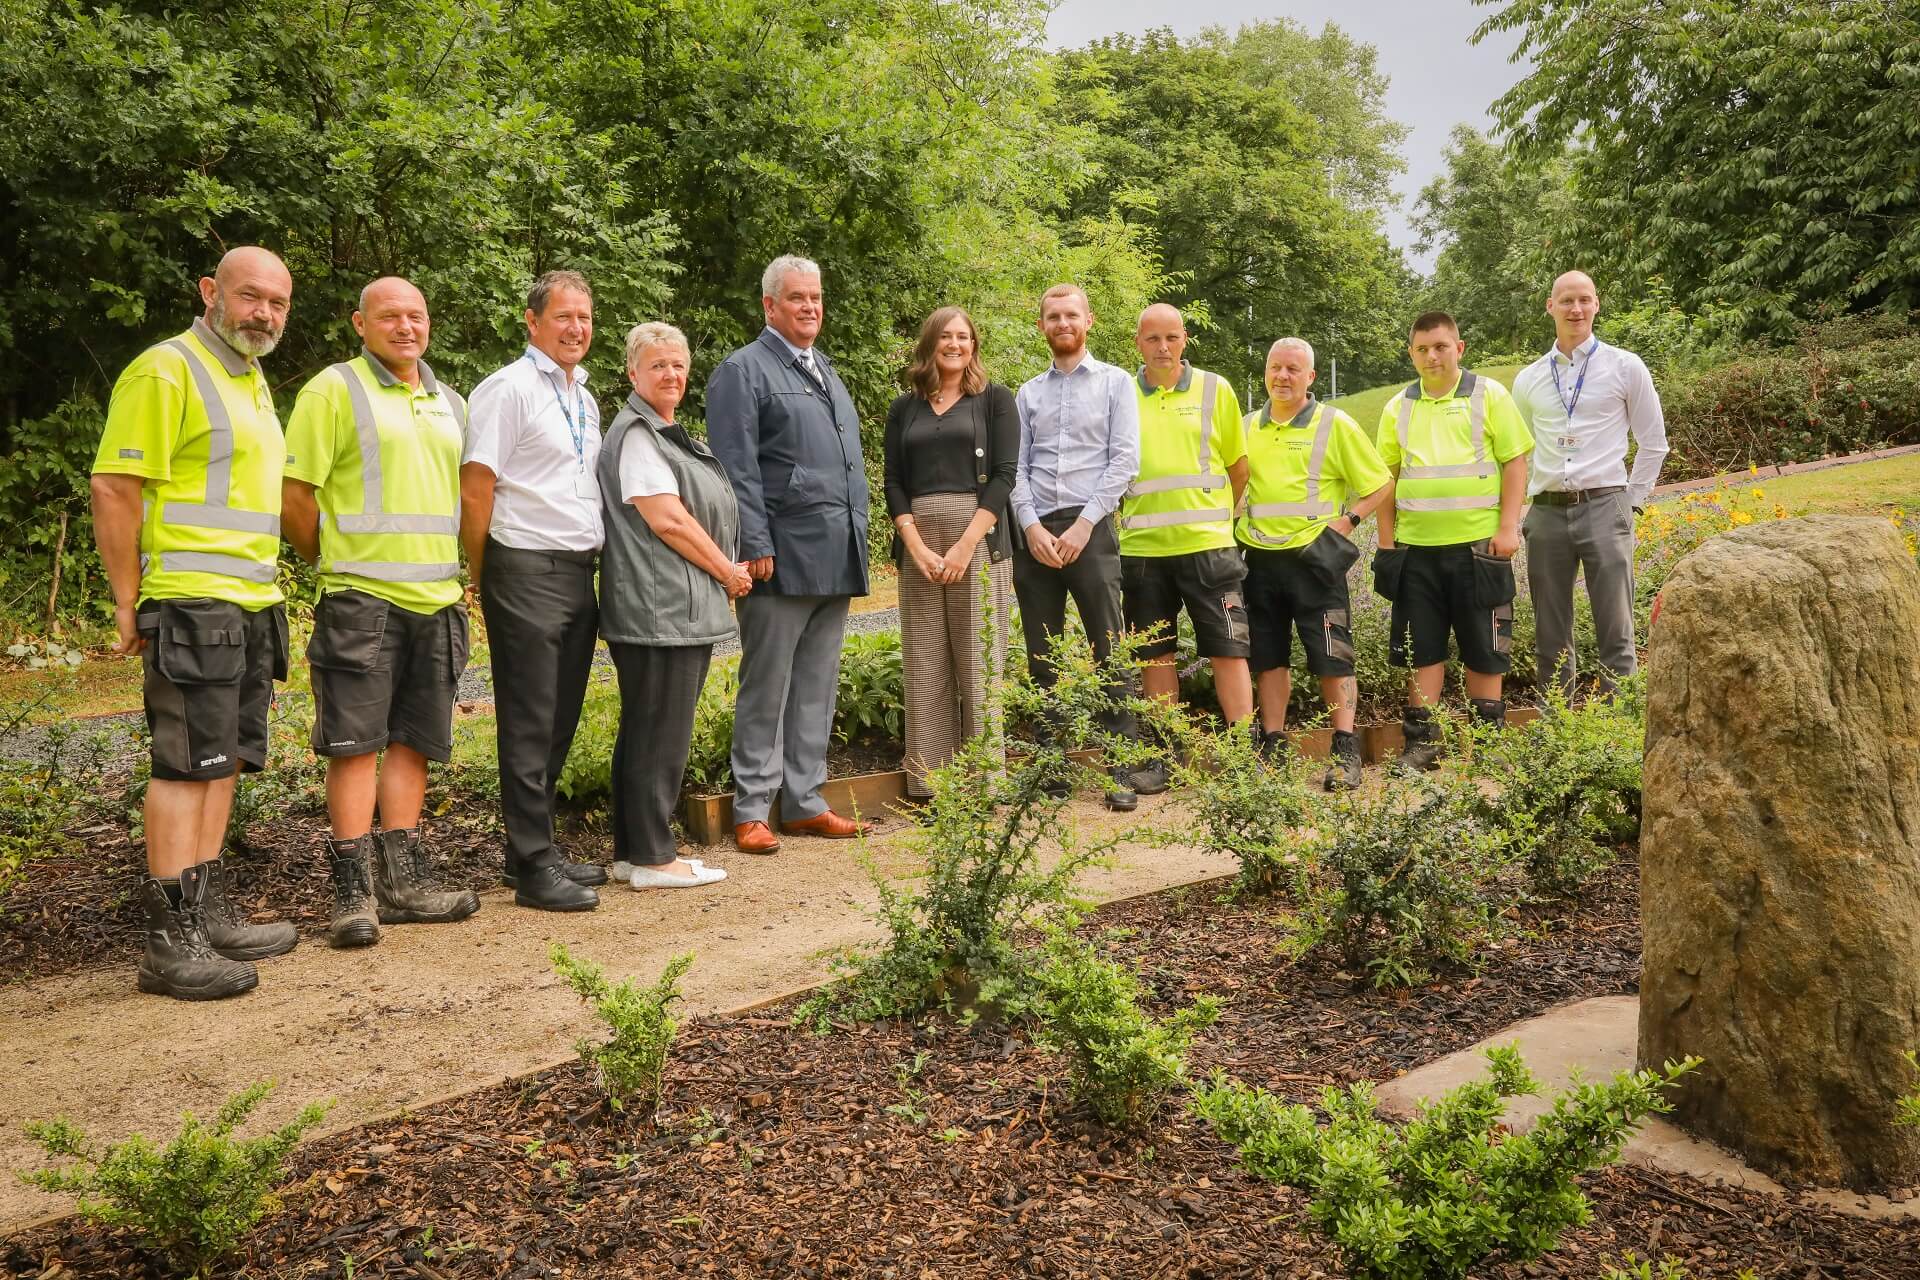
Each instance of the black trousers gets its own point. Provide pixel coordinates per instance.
(659, 689)
(1093, 581)
(541, 620)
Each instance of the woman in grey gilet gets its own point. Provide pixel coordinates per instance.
(666, 576)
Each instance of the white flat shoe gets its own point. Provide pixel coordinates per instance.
(621, 871)
(653, 878)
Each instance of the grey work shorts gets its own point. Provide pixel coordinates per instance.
(384, 674)
(210, 667)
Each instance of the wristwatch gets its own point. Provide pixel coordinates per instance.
(1346, 513)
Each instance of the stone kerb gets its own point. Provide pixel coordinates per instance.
(1780, 846)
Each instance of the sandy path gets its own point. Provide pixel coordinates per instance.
(432, 1011)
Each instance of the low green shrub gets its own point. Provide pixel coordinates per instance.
(52, 774)
(1125, 1062)
(190, 1201)
(1563, 789)
(1827, 394)
(1670, 1268)
(1404, 878)
(1907, 1108)
(629, 1065)
(1438, 1194)
(1245, 806)
(872, 699)
(986, 839)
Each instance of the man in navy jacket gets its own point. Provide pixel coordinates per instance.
(781, 422)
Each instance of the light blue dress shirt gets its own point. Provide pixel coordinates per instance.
(1079, 441)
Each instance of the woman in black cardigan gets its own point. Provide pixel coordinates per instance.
(950, 448)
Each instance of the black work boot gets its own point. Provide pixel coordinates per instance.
(1343, 770)
(1271, 744)
(353, 922)
(1491, 712)
(1151, 780)
(403, 884)
(179, 961)
(230, 933)
(1121, 797)
(590, 874)
(1422, 749)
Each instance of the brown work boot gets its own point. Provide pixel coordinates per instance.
(353, 923)
(403, 884)
(230, 933)
(179, 961)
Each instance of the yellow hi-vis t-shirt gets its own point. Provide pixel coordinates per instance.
(384, 459)
(194, 419)
(1446, 473)
(1301, 472)
(1181, 501)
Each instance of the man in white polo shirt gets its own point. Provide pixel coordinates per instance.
(530, 525)
(1582, 401)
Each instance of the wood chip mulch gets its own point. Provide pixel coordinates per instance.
(910, 1151)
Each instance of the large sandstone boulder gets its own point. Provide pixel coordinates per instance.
(1780, 846)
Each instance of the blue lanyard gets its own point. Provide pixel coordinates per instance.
(576, 419)
(1579, 385)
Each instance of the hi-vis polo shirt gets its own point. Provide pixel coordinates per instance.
(1446, 452)
(1180, 501)
(1301, 472)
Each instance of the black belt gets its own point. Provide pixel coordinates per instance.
(1574, 497)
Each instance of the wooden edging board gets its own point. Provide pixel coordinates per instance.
(709, 818)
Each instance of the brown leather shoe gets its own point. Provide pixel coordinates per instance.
(828, 825)
(755, 837)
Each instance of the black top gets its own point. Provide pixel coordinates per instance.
(928, 452)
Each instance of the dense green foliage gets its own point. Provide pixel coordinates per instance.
(1125, 1061)
(1434, 1196)
(190, 1201)
(629, 1063)
(1259, 163)
(1245, 806)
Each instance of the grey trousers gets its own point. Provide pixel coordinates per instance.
(783, 716)
(659, 690)
(1593, 540)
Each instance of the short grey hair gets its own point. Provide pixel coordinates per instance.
(1293, 344)
(551, 283)
(653, 333)
(787, 264)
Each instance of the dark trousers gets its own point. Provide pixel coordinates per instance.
(1093, 581)
(541, 619)
(659, 689)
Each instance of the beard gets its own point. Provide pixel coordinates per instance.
(1065, 344)
(252, 339)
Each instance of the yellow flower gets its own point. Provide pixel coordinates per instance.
(1758, 493)
(1779, 512)
(1693, 517)
(1741, 517)
(1753, 468)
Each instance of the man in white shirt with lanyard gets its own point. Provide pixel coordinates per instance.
(530, 525)
(1582, 401)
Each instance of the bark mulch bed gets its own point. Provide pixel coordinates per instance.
(904, 1151)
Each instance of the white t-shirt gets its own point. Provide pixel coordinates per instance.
(644, 472)
(545, 497)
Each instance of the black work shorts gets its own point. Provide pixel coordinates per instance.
(1459, 590)
(1285, 593)
(1154, 588)
(210, 667)
(384, 674)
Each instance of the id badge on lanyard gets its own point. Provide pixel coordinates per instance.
(583, 485)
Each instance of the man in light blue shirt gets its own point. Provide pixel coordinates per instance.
(1079, 449)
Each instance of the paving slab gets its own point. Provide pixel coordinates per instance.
(1597, 1039)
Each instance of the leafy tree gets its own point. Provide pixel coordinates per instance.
(1759, 155)
(1259, 161)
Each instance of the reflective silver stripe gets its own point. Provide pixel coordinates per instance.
(1202, 479)
(1313, 507)
(208, 562)
(1467, 502)
(372, 516)
(1317, 458)
(1161, 519)
(397, 524)
(219, 428)
(201, 515)
(1479, 468)
(395, 570)
(1166, 484)
(1260, 510)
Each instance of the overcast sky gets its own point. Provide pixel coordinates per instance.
(1435, 78)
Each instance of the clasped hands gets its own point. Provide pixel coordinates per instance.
(1058, 552)
(938, 569)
